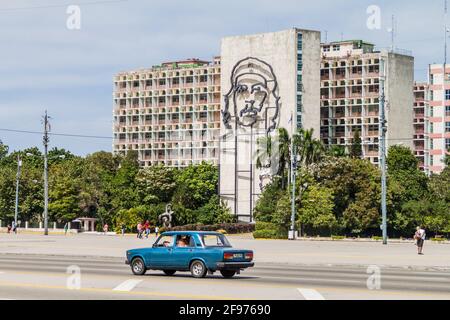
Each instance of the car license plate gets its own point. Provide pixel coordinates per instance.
(238, 256)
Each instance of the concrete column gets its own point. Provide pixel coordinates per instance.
(86, 226)
(54, 225)
(69, 226)
(93, 226)
(26, 224)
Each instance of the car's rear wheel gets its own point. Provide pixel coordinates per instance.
(138, 266)
(198, 269)
(228, 273)
(169, 272)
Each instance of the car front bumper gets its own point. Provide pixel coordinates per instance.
(234, 265)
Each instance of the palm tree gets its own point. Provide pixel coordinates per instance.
(308, 149)
(265, 151)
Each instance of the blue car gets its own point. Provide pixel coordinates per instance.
(197, 252)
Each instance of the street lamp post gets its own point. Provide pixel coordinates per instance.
(16, 211)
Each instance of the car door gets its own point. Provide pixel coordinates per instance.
(182, 255)
(161, 255)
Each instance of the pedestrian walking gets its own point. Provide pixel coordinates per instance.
(156, 231)
(14, 227)
(105, 228)
(139, 230)
(122, 228)
(147, 228)
(66, 228)
(9, 228)
(419, 238)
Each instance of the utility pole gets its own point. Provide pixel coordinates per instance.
(46, 140)
(383, 130)
(293, 165)
(16, 211)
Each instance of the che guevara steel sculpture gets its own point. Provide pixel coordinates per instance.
(252, 98)
(253, 95)
(166, 218)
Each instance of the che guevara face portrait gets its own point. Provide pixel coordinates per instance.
(253, 95)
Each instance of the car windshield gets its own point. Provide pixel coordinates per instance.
(213, 240)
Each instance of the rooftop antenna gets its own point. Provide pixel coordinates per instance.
(326, 36)
(392, 30)
(342, 36)
(446, 32)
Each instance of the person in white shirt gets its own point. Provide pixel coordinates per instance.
(419, 236)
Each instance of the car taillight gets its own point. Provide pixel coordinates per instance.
(249, 256)
(228, 256)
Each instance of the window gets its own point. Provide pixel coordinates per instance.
(213, 240)
(447, 127)
(184, 241)
(447, 111)
(447, 144)
(431, 144)
(165, 241)
(447, 94)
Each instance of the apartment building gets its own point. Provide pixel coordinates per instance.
(420, 108)
(169, 113)
(350, 96)
(437, 138)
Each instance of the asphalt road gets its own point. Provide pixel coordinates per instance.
(48, 277)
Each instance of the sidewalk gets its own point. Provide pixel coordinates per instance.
(317, 253)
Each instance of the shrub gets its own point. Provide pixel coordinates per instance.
(230, 228)
(267, 234)
(337, 237)
(265, 226)
(377, 238)
(438, 239)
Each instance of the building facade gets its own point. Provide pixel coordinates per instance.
(420, 108)
(169, 114)
(269, 81)
(350, 96)
(437, 138)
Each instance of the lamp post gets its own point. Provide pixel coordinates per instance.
(16, 211)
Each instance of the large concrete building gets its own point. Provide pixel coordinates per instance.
(350, 96)
(437, 138)
(170, 113)
(269, 81)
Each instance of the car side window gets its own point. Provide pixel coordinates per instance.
(165, 241)
(184, 241)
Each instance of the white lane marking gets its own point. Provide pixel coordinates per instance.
(127, 285)
(310, 294)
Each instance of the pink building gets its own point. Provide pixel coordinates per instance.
(437, 137)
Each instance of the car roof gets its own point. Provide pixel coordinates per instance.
(173, 233)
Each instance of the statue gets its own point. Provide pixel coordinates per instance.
(166, 218)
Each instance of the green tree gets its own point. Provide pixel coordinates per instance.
(316, 210)
(64, 191)
(267, 203)
(3, 150)
(196, 185)
(156, 184)
(308, 149)
(356, 187)
(356, 146)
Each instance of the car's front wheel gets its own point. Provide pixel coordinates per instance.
(198, 269)
(228, 273)
(169, 272)
(138, 266)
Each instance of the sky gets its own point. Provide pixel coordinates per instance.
(44, 65)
